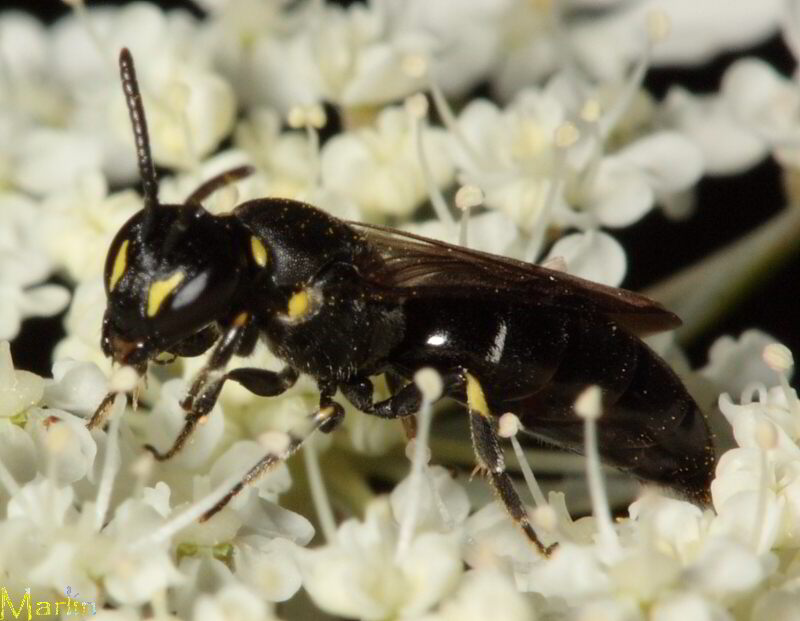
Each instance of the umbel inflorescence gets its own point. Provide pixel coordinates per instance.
(568, 148)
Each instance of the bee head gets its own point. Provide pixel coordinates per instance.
(167, 276)
(171, 270)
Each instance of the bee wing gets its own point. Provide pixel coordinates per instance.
(410, 264)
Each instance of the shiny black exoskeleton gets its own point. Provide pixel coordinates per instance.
(345, 302)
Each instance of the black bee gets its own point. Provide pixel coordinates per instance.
(344, 302)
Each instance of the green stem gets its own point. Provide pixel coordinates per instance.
(703, 293)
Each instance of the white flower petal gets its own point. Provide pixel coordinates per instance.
(571, 572)
(232, 603)
(357, 576)
(379, 168)
(749, 86)
(42, 504)
(134, 579)
(431, 571)
(23, 45)
(679, 606)
(272, 520)
(670, 161)
(243, 454)
(453, 499)
(593, 255)
(51, 160)
(44, 301)
(700, 31)
(269, 566)
(77, 387)
(735, 363)
(621, 193)
(726, 567)
(493, 540)
(19, 390)
(727, 145)
(17, 452)
(736, 519)
(10, 317)
(483, 594)
(779, 605)
(167, 419)
(63, 439)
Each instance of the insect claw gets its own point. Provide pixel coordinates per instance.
(478, 470)
(156, 454)
(333, 418)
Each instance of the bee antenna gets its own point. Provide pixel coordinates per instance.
(219, 181)
(133, 97)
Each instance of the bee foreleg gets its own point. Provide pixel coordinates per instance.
(490, 459)
(102, 411)
(262, 382)
(207, 385)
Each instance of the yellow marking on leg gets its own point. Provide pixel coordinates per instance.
(120, 264)
(299, 304)
(241, 319)
(259, 251)
(476, 400)
(159, 290)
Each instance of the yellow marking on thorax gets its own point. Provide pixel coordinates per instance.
(241, 319)
(476, 400)
(159, 290)
(259, 251)
(120, 264)
(298, 305)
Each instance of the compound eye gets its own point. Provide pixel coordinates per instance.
(185, 302)
(190, 292)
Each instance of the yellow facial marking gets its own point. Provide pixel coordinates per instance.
(120, 264)
(259, 251)
(476, 400)
(159, 290)
(299, 304)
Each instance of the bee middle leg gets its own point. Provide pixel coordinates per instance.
(323, 417)
(405, 400)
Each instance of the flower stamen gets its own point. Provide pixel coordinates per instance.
(566, 135)
(429, 383)
(509, 426)
(82, 15)
(319, 495)
(311, 118)
(588, 406)
(417, 109)
(779, 358)
(767, 438)
(657, 30)
(110, 463)
(467, 197)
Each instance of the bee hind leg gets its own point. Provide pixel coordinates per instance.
(490, 459)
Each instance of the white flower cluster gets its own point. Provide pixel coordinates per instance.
(569, 147)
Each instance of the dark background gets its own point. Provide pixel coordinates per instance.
(727, 208)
